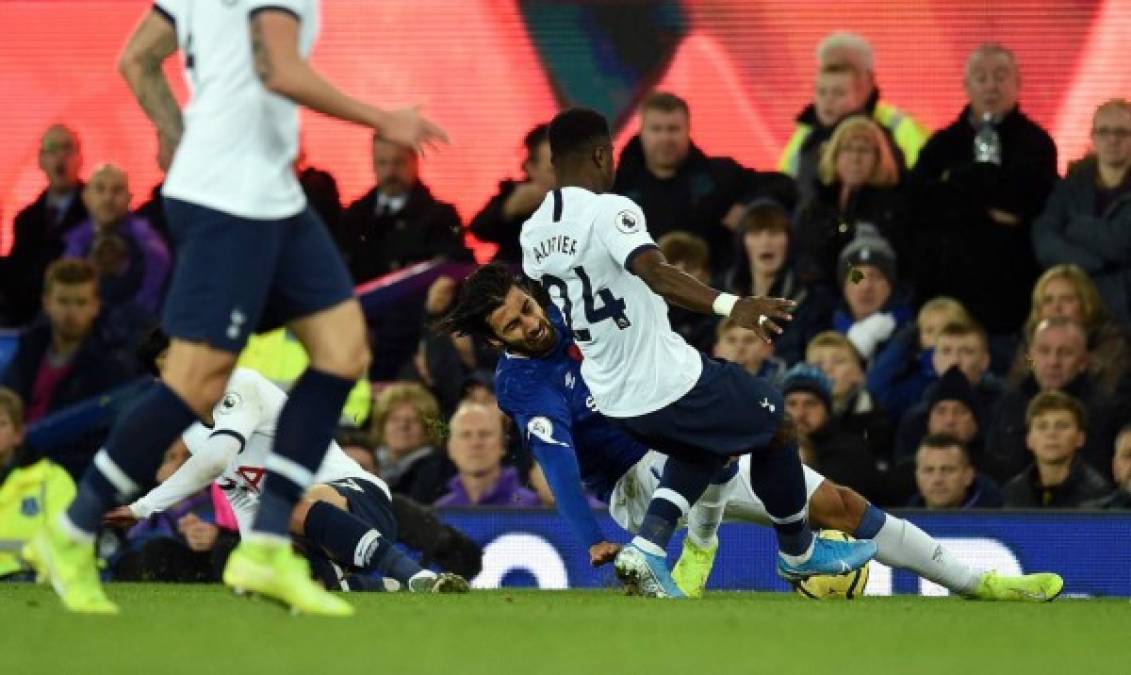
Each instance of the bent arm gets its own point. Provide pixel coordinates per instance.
(153, 41)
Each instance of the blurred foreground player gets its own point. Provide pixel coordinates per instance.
(250, 253)
(538, 382)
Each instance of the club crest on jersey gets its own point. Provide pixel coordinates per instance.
(543, 429)
(627, 222)
(765, 403)
(231, 401)
(29, 507)
(570, 380)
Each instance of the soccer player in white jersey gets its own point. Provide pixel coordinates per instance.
(347, 514)
(250, 255)
(593, 254)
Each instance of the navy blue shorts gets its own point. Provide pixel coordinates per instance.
(236, 276)
(728, 412)
(369, 503)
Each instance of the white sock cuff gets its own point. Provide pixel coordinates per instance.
(113, 473)
(670, 495)
(798, 517)
(361, 552)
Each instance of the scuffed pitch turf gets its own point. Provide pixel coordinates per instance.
(204, 630)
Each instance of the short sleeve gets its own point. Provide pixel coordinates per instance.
(240, 411)
(540, 412)
(292, 7)
(170, 9)
(622, 229)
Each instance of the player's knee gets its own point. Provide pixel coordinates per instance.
(831, 507)
(348, 358)
(316, 493)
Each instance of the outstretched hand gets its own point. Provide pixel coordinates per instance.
(405, 126)
(763, 315)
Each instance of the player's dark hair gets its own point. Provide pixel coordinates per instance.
(534, 138)
(482, 292)
(575, 132)
(150, 347)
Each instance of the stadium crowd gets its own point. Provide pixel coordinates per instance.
(960, 339)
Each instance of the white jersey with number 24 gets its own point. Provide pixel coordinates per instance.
(578, 245)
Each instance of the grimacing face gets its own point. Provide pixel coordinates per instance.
(521, 325)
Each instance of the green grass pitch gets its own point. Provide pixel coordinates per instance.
(204, 630)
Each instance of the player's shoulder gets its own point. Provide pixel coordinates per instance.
(624, 213)
(523, 383)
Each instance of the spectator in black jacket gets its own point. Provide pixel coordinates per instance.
(764, 265)
(690, 254)
(1057, 478)
(39, 228)
(947, 480)
(1066, 291)
(1087, 221)
(853, 405)
(680, 188)
(972, 212)
(501, 219)
(1121, 472)
(962, 346)
(840, 456)
(1059, 360)
(69, 357)
(858, 182)
(407, 428)
(398, 222)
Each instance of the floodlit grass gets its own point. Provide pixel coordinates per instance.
(170, 629)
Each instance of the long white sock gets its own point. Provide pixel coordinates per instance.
(902, 544)
(706, 514)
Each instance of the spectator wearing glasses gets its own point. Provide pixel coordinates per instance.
(1087, 220)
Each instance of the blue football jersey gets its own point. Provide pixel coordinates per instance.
(559, 423)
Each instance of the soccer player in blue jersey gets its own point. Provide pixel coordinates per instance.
(539, 385)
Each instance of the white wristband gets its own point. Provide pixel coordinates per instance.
(724, 303)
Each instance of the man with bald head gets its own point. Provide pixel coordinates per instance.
(476, 446)
(1058, 358)
(133, 260)
(973, 211)
(40, 226)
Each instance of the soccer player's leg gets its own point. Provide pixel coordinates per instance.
(901, 544)
(311, 292)
(778, 478)
(220, 265)
(643, 563)
(701, 544)
(352, 521)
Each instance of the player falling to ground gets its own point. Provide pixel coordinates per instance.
(250, 254)
(593, 254)
(346, 516)
(539, 385)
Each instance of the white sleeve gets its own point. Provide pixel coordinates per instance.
(622, 229)
(240, 412)
(295, 7)
(195, 474)
(170, 9)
